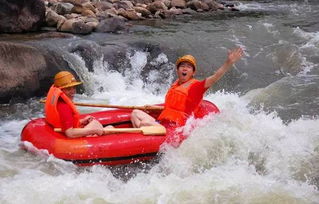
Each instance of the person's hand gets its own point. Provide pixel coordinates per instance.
(146, 108)
(234, 55)
(96, 132)
(86, 120)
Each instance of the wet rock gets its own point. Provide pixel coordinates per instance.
(188, 11)
(112, 25)
(80, 27)
(22, 68)
(21, 16)
(75, 26)
(213, 5)
(89, 51)
(115, 56)
(171, 13)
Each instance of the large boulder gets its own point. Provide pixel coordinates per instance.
(27, 71)
(18, 16)
(21, 68)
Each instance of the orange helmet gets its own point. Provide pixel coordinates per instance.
(65, 79)
(187, 58)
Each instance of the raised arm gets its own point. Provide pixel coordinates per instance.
(233, 56)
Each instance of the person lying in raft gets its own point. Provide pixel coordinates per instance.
(186, 93)
(60, 112)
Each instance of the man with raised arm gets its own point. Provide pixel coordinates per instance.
(186, 93)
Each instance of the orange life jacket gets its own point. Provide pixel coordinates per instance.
(175, 103)
(51, 112)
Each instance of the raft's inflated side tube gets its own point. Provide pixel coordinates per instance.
(112, 149)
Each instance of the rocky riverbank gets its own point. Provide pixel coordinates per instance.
(83, 16)
(86, 16)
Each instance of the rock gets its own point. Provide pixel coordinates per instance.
(92, 24)
(63, 8)
(52, 18)
(188, 11)
(102, 5)
(124, 4)
(88, 12)
(80, 27)
(77, 9)
(172, 12)
(76, 2)
(156, 6)
(18, 16)
(107, 14)
(166, 2)
(197, 5)
(142, 2)
(143, 11)
(89, 52)
(77, 26)
(67, 26)
(72, 15)
(88, 5)
(22, 68)
(178, 4)
(129, 14)
(112, 25)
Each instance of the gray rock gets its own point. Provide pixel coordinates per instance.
(63, 8)
(18, 16)
(22, 68)
(112, 25)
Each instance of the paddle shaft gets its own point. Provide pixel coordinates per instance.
(109, 130)
(117, 106)
(147, 130)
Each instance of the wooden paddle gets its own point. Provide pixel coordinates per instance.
(146, 130)
(117, 106)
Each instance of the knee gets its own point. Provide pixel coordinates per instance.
(134, 113)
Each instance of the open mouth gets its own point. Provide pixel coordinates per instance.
(184, 74)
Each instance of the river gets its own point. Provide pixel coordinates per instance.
(262, 148)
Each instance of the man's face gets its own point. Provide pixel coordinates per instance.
(69, 92)
(185, 72)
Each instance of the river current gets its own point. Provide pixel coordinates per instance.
(262, 148)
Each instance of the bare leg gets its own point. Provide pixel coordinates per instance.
(140, 118)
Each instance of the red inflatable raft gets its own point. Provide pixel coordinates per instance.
(111, 149)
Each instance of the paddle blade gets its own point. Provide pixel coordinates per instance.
(153, 130)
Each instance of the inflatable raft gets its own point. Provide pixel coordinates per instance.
(110, 149)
